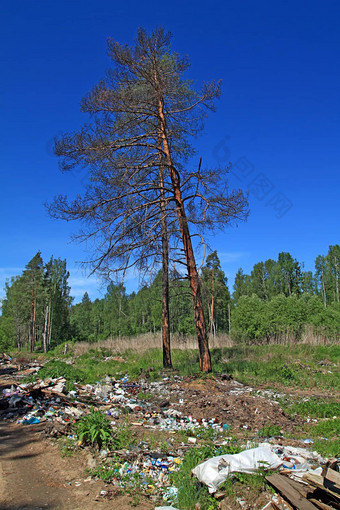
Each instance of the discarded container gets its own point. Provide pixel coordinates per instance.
(32, 420)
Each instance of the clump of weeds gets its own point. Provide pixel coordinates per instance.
(67, 446)
(95, 429)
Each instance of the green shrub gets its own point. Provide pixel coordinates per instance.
(95, 429)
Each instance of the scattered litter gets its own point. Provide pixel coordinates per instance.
(178, 405)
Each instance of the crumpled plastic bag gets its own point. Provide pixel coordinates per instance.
(215, 471)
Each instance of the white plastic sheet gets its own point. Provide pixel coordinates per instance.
(165, 508)
(214, 471)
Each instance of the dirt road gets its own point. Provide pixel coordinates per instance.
(33, 475)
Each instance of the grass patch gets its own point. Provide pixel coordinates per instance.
(57, 368)
(67, 446)
(314, 408)
(303, 366)
(327, 448)
(269, 431)
(248, 487)
(326, 436)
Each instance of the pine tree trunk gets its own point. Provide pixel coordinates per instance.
(203, 345)
(165, 278)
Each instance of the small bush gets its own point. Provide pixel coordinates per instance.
(95, 429)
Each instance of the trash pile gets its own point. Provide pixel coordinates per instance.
(180, 405)
(315, 489)
(48, 400)
(299, 483)
(215, 471)
(142, 468)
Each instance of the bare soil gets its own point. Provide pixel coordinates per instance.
(34, 476)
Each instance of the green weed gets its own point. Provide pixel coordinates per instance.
(123, 436)
(107, 471)
(245, 486)
(144, 396)
(95, 429)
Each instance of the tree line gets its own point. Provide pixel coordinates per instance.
(36, 307)
(120, 314)
(277, 300)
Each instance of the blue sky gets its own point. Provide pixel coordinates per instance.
(277, 120)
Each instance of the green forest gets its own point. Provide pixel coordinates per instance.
(278, 301)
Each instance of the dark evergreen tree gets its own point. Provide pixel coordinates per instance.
(215, 293)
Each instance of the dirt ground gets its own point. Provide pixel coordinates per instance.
(34, 476)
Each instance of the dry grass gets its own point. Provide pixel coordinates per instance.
(147, 341)
(311, 337)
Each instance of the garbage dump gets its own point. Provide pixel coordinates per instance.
(176, 406)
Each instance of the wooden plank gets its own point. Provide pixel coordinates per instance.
(333, 476)
(321, 504)
(322, 483)
(283, 485)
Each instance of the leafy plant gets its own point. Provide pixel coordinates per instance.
(95, 429)
(287, 373)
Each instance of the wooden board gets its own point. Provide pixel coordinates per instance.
(285, 487)
(322, 483)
